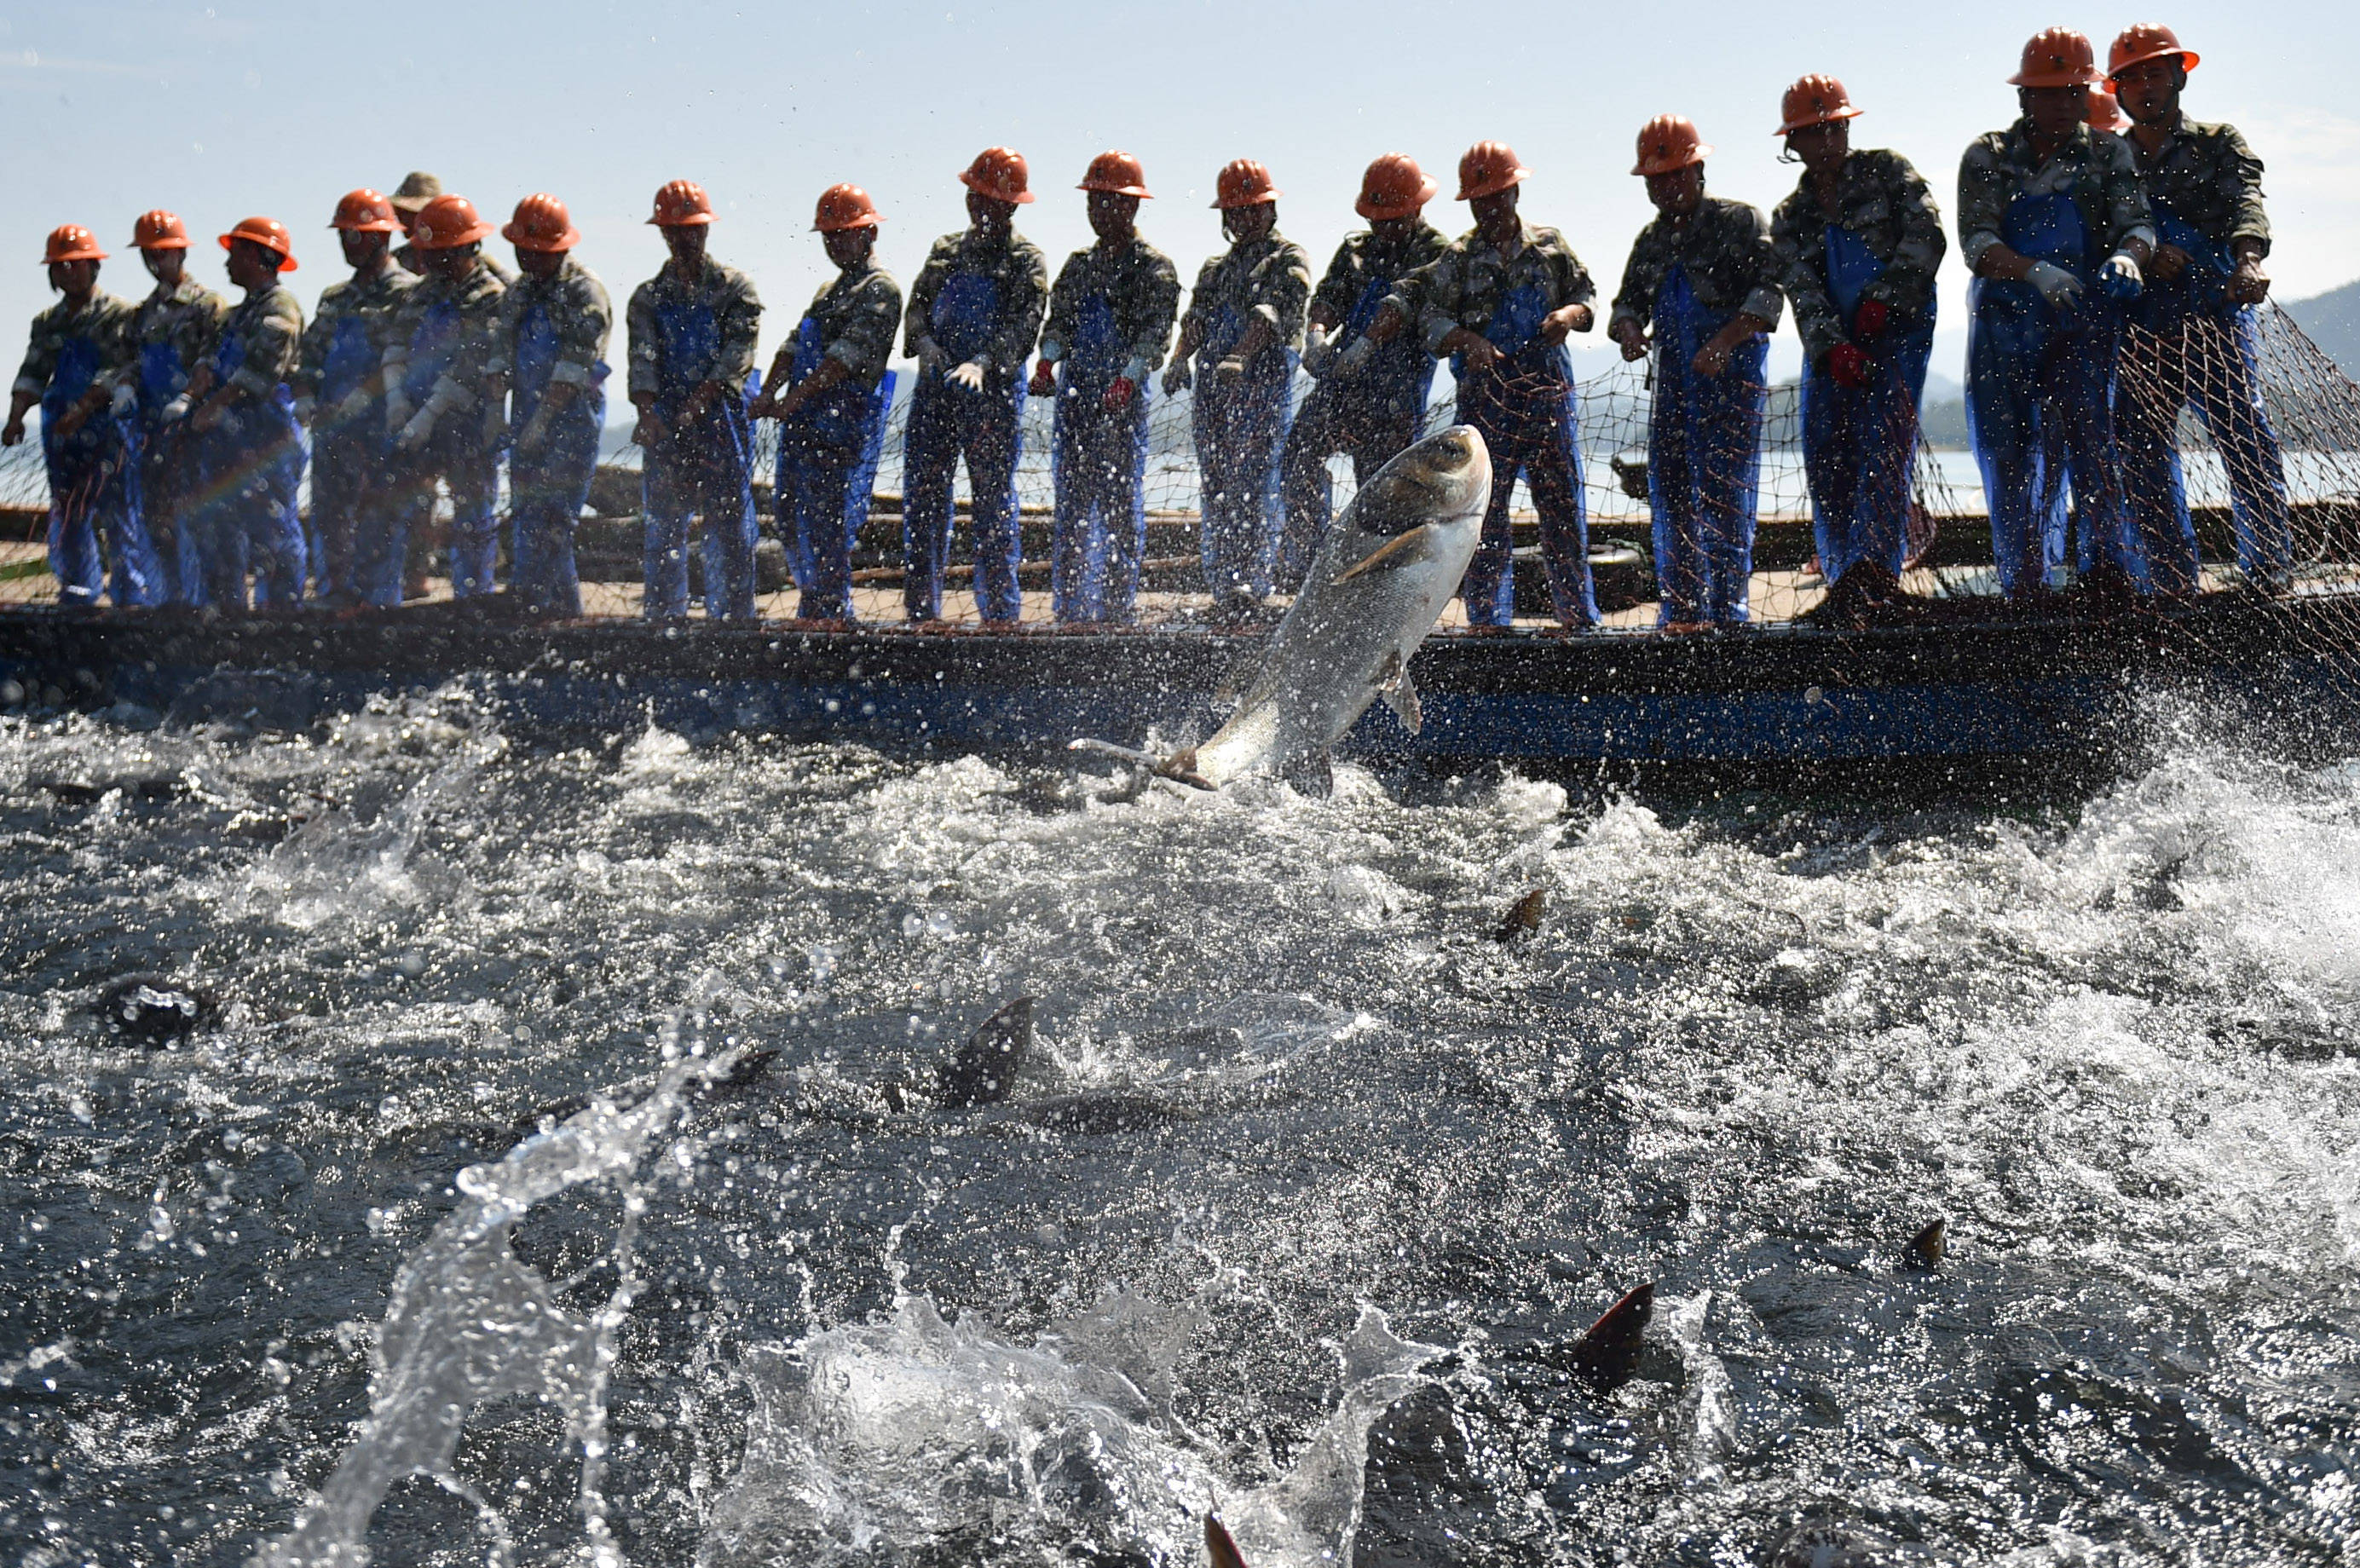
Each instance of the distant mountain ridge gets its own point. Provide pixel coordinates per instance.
(2332, 319)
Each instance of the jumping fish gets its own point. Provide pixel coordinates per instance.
(1377, 585)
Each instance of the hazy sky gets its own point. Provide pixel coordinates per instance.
(218, 111)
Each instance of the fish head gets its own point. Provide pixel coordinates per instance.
(1445, 478)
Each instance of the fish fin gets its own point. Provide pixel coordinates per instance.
(1402, 549)
(1310, 774)
(1524, 916)
(1608, 1352)
(1926, 1248)
(983, 1070)
(1181, 768)
(1394, 686)
(1221, 1547)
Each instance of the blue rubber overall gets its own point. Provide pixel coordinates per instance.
(93, 492)
(947, 421)
(1369, 418)
(1859, 444)
(2192, 346)
(1524, 408)
(549, 480)
(1704, 461)
(827, 469)
(2040, 397)
(1240, 423)
(351, 484)
(249, 468)
(457, 452)
(163, 469)
(1099, 458)
(703, 468)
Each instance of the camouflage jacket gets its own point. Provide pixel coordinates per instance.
(579, 315)
(1465, 285)
(183, 317)
(1363, 260)
(1141, 286)
(105, 318)
(269, 323)
(2210, 179)
(1886, 203)
(1724, 250)
(1019, 275)
(376, 301)
(476, 296)
(2093, 168)
(736, 311)
(1268, 277)
(856, 316)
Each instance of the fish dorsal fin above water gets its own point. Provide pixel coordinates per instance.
(1926, 1248)
(1402, 549)
(983, 1070)
(1608, 1352)
(1393, 687)
(1221, 1546)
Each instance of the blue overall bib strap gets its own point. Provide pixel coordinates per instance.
(948, 421)
(1704, 445)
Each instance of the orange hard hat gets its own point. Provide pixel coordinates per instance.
(1816, 100)
(160, 229)
(447, 222)
(1244, 183)
(268, 232)
(2057, 57)
(1489, 168)
(541, 223)
(2143, 42)
(1117, 174)
(364, 211)
(1000, 173)
(2103, 113)
(682, 204)
(1393, 186)
(71, 241)
(842, 207)
(1669, 142)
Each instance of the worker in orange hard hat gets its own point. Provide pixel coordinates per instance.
(1703, 281)
(1110, 316)
(169, 329)
(1244, 329)
(551, 350)
(1370, 399)
(2194, 341)
(80, 348)
(829, 390)
(248, 448)
(1858, 242)
(340, 392)
(445, 395)
(2058, 232)
(693, 329)
(1499, 304)
(974, 312)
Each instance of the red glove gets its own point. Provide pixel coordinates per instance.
(1044, 379)
(1870, 319)
(1848, 363)
(1118, 395)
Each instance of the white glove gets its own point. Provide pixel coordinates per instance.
(931, 357)
(2060, 288)
(355, 406)
(420, 430)
(1231, 367)
(125, 399)
(1175, 375)
(970, 375)
(2120, 277)
(1355, 359)
(175, 411)
(1316, 352)
(306, 409)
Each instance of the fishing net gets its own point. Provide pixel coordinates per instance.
(2310, 405)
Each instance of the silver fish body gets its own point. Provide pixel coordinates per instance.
(1388, 567)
